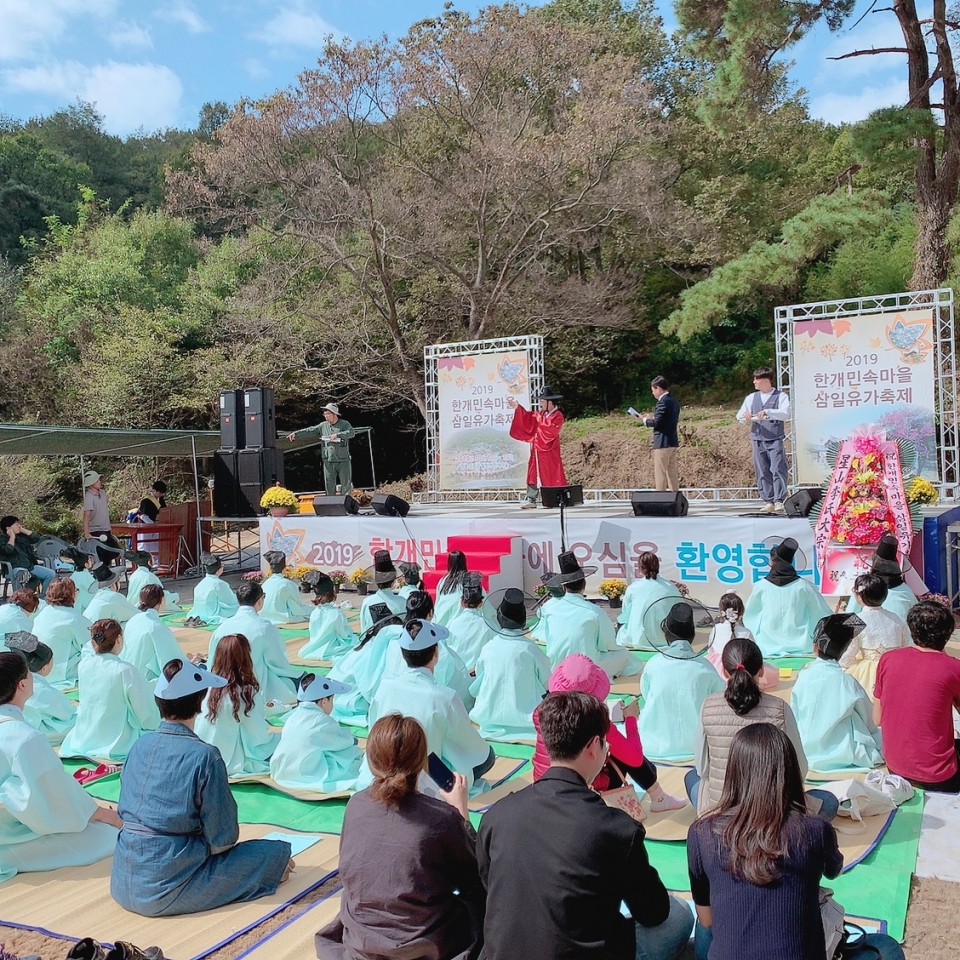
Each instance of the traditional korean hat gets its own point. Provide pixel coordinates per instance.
(210, 562)
(506, 611)
(383, 570)
(554, 587)
(140, 557)
(188, 679)
(72, 555)
(685, 627)
(88, 546)
(578, 673)
(380, 615)
(548, 393)
(333, 408)
(320, 583)
(429, 636)
(275, 558)
(312, 687)
(104, 575)
(786, 549)
(37, 654)
(570, 570)
(471, 586)
(411, 573)
(886, 560)
(833, 634)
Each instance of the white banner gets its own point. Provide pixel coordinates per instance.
(711, 555)
(475, 447)
(849, 371)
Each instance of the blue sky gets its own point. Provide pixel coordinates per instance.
(152, 64)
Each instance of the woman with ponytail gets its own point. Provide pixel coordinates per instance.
(408, 862)
(450, 588)
(148, 643)
(47, 820)
(116, 702)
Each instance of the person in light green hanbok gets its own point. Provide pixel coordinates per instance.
(143, 576)
(79, 562)
(890, 566)
(449, 589)
(48, 709)
(382, 575)
(65, 631)
(107, 603)
(638, 627)
(330, 634)
(281, 596)
(20, 613)
(412, 580)
(213, 600)
(148, 643)
(469, 632)
(315, 752)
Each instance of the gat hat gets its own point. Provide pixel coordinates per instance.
(104, 575)
(579, 674)
(275, 557)
(88, 547)
(510, 610)
(319, 582)
(71, 554)
(210, 562)
(37, 654)
(380, 615)
(383, 570)
(832, 634)
(570, 570)
(471, 586)
(411, 573)
(554, 587)
(188, 679)
(786, 549)
(90, 477)
(429, 636)
(886, 560)
(140, 557)
(333, 408)
(312, 687)
(685, 627)
(548, 393)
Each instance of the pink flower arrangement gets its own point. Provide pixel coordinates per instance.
(864, 513)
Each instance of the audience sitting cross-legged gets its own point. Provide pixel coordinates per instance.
(638, 624)
(213, 600)
(281, 595)
(330, 634)
(49, 710)
(148, 643)
(64, 630)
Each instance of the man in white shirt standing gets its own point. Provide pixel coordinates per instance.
(766, 410)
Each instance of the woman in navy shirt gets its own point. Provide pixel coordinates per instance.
(756, 861)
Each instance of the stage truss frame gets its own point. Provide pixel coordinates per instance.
(432, 354)
(940, 302)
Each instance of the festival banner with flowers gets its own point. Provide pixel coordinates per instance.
(850, 371)
(475, 446)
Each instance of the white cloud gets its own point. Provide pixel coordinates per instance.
(128, 95)
(851, 107)
(297, 28)
(255, 68)
(28, 28)
(127, 35)
(183, 13)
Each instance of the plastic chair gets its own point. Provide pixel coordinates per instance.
(12, 581)
(48, 549)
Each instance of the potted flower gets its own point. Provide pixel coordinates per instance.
(614, 590)
(279, 501)
(921, 491)
(297, 574)
(339, 578)
(253, 576)
(357, 581)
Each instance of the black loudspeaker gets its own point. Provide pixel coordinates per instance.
(257, 470)
(226, 486)
(335, 506)
(231, 420)
(261, 417)
(647, 503)
(802, 502)
(387, 505)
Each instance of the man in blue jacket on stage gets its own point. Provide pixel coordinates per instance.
(664, 420)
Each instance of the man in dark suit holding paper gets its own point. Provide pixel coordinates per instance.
(664, 420)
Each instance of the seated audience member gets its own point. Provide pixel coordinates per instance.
(80, 563)
(917, 690)
(315, 752)
(579, 674)
(17, 548)
(142, 576)
(783, 608)
(757, 860)
(580, 626)
(47, 820)
(512, 672)
(438, 709)
(275, 674)
(148, 643)
(381, 575)
(48, 710)
(233, 718)
(177, 852)
(834, 714)
(638, 624)
(469, 632)
(730, 626)
(20, 613)
(107, 602)
(408, 862)
(557, 862)
(330, 634)
(64, 630)
(213, 600)
(882, 631)
(411, 580)
(674, 685)
(450, 588)
(362, 668)
(741, 704)
(281, 596)
(116, 702)
(889, 568)
(550, 606)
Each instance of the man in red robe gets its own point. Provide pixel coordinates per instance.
(541, 429)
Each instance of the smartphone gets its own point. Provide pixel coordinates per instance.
(616, 711)
(440, 773)
(632, 412)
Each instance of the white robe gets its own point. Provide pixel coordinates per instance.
(213, 600)
(315, 753)
(548, 608)
(86, 588)
(446, 605)
(899, 601)
(44, 813)
(579, 626)
(512, 677)
(116, 707)
(144, 576)
(783, 619)
(281, 601)
(49, 711)
(149, 644)
(245, 745)
(469, 634)
(385, 595)
(67, 633)
(107, 604)
(13, 620)
(450, 670)
(640, 626)
(330, 634)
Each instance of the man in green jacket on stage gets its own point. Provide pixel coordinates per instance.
(335, 433)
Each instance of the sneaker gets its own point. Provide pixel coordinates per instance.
(86, 949)
(778, 507)
(667, 802)
(528, 505)
(770, 508)
(127, 951)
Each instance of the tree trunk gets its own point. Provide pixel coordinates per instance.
(931, 262)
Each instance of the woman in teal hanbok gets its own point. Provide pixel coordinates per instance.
(449, 589)
(213, 600)
(80, 563)
(19, 613)
(107, 602)
(281, 595)
(638, 626)
(48, 709)
(148, 643)
(65, 631)
(469, 632)
(330, 634)
(143, 576)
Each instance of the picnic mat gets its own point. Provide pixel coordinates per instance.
(293, 940)
(79, 898)
(298, 794)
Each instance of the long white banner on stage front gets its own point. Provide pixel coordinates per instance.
(712, 555)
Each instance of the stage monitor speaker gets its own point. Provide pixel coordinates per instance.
(802, 502)
(261, 417)
(226, 486)
(335, 506)
(569, 496)
(649, 503)
(387, 505)
(257, 470)
(231, 420)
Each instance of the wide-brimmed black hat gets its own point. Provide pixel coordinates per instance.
(471, 586)
(832, 634)
(886, 560)
(549, 580)
(570, 570)
(36, 653)
(786, 549)
(380, 615)
(383, 569)
(685, 627)
(548, 393)
(320, 583)
(104, 575)
(506, 611)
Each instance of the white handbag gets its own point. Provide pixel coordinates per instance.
(859, 799)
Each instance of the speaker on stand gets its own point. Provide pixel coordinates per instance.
(231, 420)
(261, 417)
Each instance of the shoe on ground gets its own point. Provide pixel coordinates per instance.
(778, 507)
(770, 508)
(127, 951)
(86, 949)
(528, 505)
